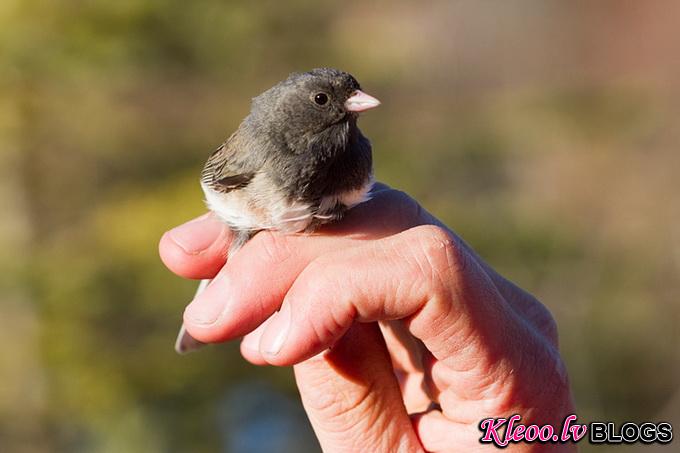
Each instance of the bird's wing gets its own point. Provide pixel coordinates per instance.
(226, 168)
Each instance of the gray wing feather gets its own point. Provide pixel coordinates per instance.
(228, 167)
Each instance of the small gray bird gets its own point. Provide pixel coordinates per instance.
(297, 161)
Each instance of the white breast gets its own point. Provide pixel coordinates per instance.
(259, 207)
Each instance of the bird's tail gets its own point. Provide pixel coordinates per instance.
(185, 343)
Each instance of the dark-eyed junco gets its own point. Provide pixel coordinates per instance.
(298, 160)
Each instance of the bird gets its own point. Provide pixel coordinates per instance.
(297, 161)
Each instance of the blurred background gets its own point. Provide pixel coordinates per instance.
(546, 133)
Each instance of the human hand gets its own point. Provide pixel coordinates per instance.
(456, 342)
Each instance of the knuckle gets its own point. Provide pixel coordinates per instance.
(432, 236)
(438, 250)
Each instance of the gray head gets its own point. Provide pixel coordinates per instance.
(309, 106)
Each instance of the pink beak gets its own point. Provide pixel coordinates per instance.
(360, 101)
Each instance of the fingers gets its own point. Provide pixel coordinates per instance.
(420, 274)
(196, 249)
(351, 396)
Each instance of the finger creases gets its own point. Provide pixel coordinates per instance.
(352, 398)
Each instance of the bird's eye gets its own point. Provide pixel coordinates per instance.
(321, 98)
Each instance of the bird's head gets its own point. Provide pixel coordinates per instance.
(322, 101)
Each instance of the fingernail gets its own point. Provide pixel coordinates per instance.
(197, 235)
(204, 312)
(251, 342)
(279, 327)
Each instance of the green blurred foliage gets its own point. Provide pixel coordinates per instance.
(545, 133)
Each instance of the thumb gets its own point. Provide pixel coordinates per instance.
(352, 398)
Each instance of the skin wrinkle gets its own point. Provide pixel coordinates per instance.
(437, 250)
(363, 312)
(345, 407)
(402, 260)
(338, 404)
(497, 390)
(403, 285)
(421, 272)
(344, 420)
